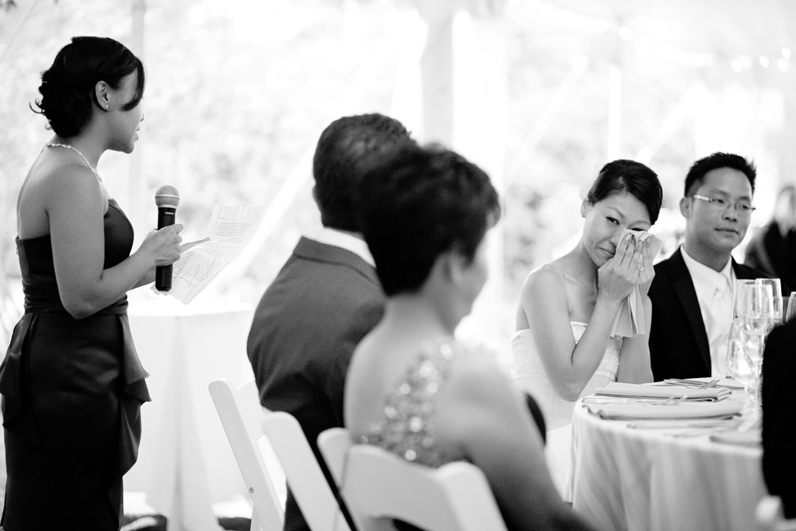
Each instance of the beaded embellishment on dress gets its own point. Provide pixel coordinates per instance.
(407, 427)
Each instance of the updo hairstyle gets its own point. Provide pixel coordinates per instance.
(67, 88)
(628, 177)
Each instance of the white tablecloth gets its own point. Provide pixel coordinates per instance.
(185, 463)
(643, 480)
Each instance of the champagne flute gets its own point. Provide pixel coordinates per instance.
(758, 320)
(757, 316)
(739, 365)
(791, 308)
(738, 298)
(776, 292)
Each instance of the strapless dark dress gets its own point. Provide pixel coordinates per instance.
(72, 391)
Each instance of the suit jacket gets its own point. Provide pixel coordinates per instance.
(678, 341)
(779, 415)
(305, 328)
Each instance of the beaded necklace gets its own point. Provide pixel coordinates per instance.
(67, 146)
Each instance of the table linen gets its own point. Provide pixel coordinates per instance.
(632, 479)
(185, 463)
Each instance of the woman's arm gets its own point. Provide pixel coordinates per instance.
(570, 366)
(484, 416)
(634, 361)
(75, 207)
(148, 278)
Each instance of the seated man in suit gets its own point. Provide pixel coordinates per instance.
(326, 296)
(692, 290)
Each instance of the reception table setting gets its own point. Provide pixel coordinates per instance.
(680, 455)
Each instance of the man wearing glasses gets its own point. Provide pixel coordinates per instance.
(692, 290)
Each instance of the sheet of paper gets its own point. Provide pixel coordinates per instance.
(231, 228)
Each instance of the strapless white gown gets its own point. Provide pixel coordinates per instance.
(529, 375)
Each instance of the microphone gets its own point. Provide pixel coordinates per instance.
(167, 198)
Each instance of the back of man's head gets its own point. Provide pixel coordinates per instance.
(343, 152)
(715, 161)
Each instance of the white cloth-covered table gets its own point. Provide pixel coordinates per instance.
(185, 463)
(644, 480)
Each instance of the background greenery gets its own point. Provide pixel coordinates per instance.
(239, 91)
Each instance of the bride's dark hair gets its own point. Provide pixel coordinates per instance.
(629, 177)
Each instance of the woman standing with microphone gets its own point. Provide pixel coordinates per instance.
(71, 381)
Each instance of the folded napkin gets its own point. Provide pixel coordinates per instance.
(630, 319)
(629, 390)
(753, 438)
(698, 410)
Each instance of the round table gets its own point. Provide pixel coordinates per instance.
(625, 478)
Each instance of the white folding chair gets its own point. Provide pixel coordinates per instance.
(304, 475)
(379, 486)
(241, 415)
(770, 517)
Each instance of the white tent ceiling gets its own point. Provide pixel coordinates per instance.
(721, 27)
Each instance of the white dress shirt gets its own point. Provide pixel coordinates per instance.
(345, 241)
(714, 290)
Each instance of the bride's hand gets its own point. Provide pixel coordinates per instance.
(619, 275)
(646, 272)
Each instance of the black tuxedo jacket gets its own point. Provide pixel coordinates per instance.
(678, 341)
(779, 415)
(305, 328)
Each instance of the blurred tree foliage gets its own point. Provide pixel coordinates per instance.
(542, 218)
(238, 92)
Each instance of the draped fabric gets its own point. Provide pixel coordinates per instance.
(72, 391)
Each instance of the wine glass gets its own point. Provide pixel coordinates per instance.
(790, 312)
(757, 320)
(738, 295)
(757, 316)
(776, 292)
(739, 364)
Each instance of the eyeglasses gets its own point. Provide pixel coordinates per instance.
(742, 207)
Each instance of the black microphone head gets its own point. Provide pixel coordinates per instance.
(167, 196)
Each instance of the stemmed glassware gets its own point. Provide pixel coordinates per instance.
(739, 364)
(790, 310)
(757, 308)
(776, 300)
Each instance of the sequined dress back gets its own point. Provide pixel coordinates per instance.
(406, 427)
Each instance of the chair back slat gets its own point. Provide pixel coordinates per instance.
(241, 416)
(379, 486)
(304, 475)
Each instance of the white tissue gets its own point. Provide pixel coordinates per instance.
(630, 321)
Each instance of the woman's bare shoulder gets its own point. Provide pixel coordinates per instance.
(477, 379)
